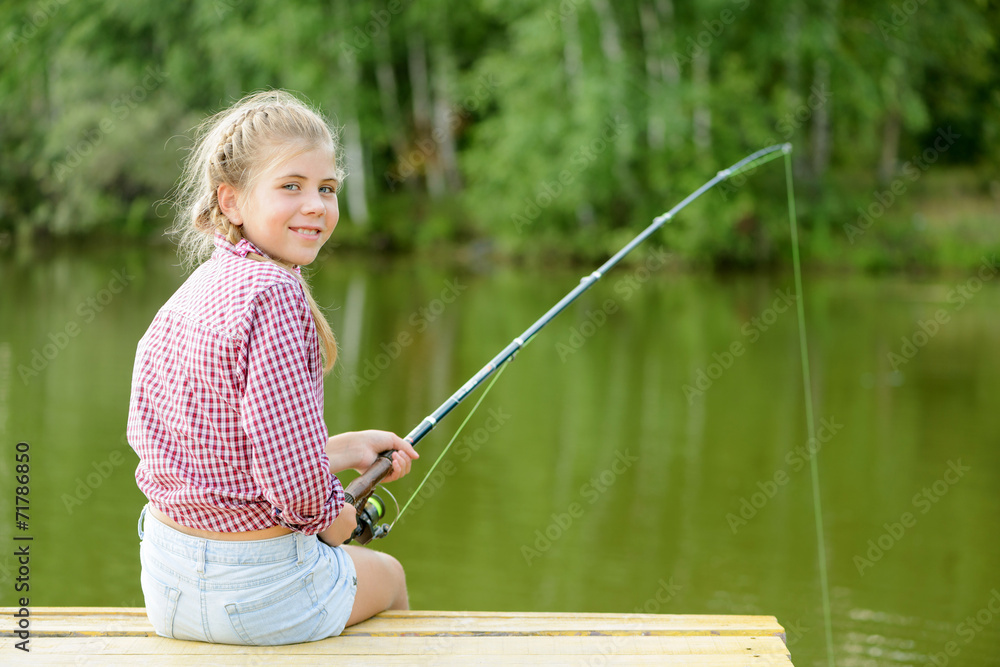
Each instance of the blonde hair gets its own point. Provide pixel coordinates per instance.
(234, 147)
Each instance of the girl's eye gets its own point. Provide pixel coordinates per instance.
(291, 186)
(327, 189)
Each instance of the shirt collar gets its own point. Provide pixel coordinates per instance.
(243, 248)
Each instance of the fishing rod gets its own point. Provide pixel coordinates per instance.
(360, 492)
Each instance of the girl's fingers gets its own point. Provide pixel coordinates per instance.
(400, 466)
(400, 463)
(404, 447)
(402, 455)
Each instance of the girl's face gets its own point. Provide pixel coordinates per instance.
(292, 210)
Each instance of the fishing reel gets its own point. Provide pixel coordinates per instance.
(368, 517)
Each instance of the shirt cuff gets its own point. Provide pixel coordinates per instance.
(310, 525)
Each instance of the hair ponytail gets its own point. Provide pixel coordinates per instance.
(327, 341)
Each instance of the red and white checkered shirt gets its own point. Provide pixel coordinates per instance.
(226, 412)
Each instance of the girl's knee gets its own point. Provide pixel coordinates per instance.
(401, 597)
(397, 576)
(381, 583)
(395, 567)
(382, 565)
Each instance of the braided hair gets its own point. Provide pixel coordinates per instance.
(234, 147)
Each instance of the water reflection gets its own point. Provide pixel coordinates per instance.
(600, 484)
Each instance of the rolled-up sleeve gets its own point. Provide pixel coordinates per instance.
(282, 412)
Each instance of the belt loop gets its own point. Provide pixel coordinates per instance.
(142, 515)
(202, 548)
(300, 548)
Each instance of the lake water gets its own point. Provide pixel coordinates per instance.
(647, 452)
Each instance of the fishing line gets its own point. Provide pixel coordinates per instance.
(810, 423)
(450, 442)
(360, 490)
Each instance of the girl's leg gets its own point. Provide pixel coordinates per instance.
(381, 583)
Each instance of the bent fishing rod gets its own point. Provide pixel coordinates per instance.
(360, 492)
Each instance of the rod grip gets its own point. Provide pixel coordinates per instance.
(357, 491)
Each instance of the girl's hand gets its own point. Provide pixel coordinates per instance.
(342, 527)
(358, 450)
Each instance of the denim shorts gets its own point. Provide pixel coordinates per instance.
(283, 590)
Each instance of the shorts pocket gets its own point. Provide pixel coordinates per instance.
(161, 604)
(290, 615)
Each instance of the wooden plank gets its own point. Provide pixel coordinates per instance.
(414, 661)
(541, 623)
(539, 646)
(132, 621)
(153, 654)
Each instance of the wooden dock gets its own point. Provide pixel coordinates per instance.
(123, 636)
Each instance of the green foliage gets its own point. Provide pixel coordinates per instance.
(559, 125)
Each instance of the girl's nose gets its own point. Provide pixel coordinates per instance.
(313, 205)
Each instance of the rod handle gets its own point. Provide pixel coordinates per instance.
(357, 491)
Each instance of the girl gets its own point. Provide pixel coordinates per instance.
(245, 512)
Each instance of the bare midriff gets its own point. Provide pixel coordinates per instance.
(266, 533)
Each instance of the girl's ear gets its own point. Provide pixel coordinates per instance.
(228, 203)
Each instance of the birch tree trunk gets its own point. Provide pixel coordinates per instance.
(821, 83)
(388, 93)
(890, 145)
(656, 126)
(442, 76)
(355, 184)
(662, 74)
(616, 76)
(611, 43)
(422, 111)
(417, 62)
(702, 115)
(793, 82)
(821, 122)
(573, 56)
